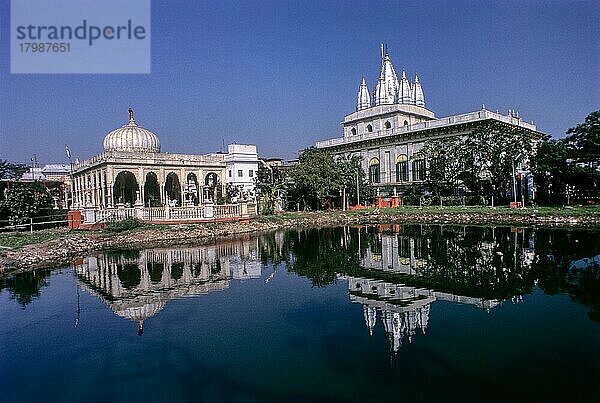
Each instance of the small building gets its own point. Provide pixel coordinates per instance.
(242, 165)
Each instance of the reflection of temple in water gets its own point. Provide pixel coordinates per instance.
(403, 309)
(137, 285)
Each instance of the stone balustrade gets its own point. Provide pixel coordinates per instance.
(206, 212)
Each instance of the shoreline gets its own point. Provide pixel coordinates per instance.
(69, 245)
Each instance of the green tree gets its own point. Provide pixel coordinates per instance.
(584, 141)
(446, 164)
(232, 191)
(584, 155)
(270, 185)
(25, 200)
(493, 151)
(550, 171)
(315, 176)
(8, 170)
(572, 162)
(351, 172)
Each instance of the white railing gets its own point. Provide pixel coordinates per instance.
(153, 213)
(116, 214)
(186, 213)
(430, 124)
(166, 214)
(227, 211)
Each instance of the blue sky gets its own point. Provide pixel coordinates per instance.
(282, 74)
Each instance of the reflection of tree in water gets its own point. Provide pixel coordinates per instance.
(25, 287)
(569, 261)
(320, 254)
(482, 262)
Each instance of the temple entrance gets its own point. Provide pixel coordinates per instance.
(151, 191)
(173, 190)
(126, 188)
(191, 190)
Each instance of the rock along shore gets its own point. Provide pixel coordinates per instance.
(75, 244)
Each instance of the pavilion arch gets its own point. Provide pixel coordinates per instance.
(192, 190)
(369, 128)
(402, 168)
(406, 123)
(126, 189)
(353, 131)
(173, 189)
(212, 187)
(151, 190)
(374, 170)
(388, 125)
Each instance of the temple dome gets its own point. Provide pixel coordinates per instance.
(132, 137)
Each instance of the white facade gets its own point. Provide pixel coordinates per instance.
(388, 129)
(241, 166)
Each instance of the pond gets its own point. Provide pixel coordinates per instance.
(377, 313)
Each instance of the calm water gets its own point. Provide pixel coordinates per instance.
(387, 313)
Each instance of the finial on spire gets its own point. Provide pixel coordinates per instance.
(364, 99)
(131, 115)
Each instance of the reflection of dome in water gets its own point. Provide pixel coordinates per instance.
(141, 312)
(132, 137)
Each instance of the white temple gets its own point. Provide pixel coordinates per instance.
(388, 128)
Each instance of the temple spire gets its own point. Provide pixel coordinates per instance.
(417, 95)
(404, 93)
(387, 86)
(364, 98)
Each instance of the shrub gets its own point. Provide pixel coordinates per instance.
(124, 225)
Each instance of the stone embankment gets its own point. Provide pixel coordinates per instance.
(74, 244)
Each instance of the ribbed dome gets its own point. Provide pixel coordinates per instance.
(132, 137)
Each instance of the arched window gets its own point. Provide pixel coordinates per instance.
(369, 128)
(353, 131)
(151, 190)
(402, 168)
(173, 189)
(418, 170)
(388, 125)
(374, 170)
(192, 190)
(125, 188)
(406, 123)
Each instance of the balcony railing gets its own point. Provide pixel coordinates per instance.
(430, 124)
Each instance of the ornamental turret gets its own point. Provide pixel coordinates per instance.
(404, 94)
(417, 93)
(387, 86)
(364, 98)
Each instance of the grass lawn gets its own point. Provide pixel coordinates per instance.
(16, 240)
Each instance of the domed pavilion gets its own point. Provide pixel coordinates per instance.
(132, 171)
